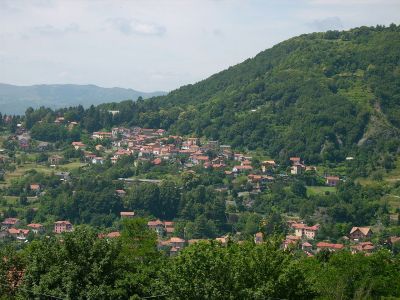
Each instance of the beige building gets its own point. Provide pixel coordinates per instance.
(304, 231)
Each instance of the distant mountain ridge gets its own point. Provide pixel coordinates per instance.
(16, 99)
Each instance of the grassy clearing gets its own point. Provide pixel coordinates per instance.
(319, 190)
(72, 165)
(393, 201)
(22, 169)
(394, 175)
(11, 200)
(365, 181)
(2, 139)
(391, 177)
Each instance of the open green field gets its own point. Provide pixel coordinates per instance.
(2, 139)
(365, 181)
(339, 169)
(72, 165)
(394, 175)
(11, 200)
(393, 201)
(391, 177)
(319, 190)
(22, 169)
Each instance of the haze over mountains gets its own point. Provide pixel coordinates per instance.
(16, 99)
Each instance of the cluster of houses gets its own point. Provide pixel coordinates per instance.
(156, 146)
(165, 236)
(162, 227)
(303, 237)
(174, 244)
(11, 227)
(167, 241)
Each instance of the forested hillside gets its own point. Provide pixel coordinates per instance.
(323, 96)
(320, 95)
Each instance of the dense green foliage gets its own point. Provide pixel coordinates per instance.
(83, 266)
(194, 201)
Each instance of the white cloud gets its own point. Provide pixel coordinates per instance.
(51, 30)
(132, 26)
(331, 23)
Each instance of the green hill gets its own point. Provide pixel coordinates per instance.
(320, 95)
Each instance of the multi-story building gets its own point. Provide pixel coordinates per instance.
(62, 226)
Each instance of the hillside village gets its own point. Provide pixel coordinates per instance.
(157, 147)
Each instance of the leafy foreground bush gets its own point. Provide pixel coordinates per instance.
(82, 266)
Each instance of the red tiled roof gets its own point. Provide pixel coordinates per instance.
(154, 223)
(176, 240)
(10, 221)
(157, 161)
(35, 225)
(201, 157)
(368, 247)
(329, 245)
(63, 222)
(246, 167)
(127, 213)
(13, 231)
(194, 241)
(122, 152)
(114, 234)
(216, 166)
(364, 230)
(304, 226)
(168, 223)
(293, 237)
(35, 186)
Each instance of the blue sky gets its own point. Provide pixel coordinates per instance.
(159, 45)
